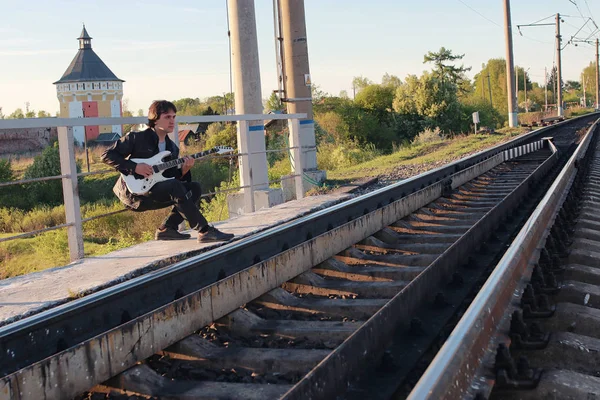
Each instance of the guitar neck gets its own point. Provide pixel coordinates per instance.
(179, 161)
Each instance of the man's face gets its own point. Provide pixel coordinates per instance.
(166, 122)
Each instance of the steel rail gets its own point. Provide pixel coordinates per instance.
(367, 343)
(39, 336)
(451, 373)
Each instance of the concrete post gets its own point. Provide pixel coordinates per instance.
(298, 85)
(246, 77)
(68, 167)
(294, 127)
(597, 75)
(510, 68)
(559, 105)
(245, 171)
(248, 100)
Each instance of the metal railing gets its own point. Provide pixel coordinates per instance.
(69, 175)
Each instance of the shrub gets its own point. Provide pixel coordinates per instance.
(210, 173)
(44, 165)
(93, 188)
(10, 196)
(215, 209)
(428, 136)
(276, 139)
(279, 169)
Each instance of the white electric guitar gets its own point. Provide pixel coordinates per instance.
(137, 184)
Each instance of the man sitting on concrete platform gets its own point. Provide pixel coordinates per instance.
(180, 192)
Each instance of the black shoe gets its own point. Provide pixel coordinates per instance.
(214, 235)
(170, 234)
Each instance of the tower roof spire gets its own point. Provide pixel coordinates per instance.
(85, 40)
(87, 66)
(84, 34)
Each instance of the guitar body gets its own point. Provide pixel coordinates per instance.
(137, 184)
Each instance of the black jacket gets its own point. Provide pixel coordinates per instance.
(138, 145)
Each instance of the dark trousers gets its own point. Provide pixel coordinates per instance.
(183, 196)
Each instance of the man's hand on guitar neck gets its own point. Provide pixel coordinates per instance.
(144, 170)
(187, 165)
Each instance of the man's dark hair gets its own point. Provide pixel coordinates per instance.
(157, 108)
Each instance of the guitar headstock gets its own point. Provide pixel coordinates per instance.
(223, 149)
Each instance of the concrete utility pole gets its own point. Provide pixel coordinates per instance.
(584, 99)
(297, 79)
(510, 68)
(597, 75)
(490, 88)
(248, 100)
(525, 87)
(545, 89)
(559, 105)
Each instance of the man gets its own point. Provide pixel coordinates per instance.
(180, 192)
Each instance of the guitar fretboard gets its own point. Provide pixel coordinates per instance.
(172, 163)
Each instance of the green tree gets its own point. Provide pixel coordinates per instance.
(378, 100)
(317, 93)
(572, 86)
(359, 83)
(391, 81)
(551, 85)
(220, 134)
(1, 113)
(17, 114)
(274, 103)
(443, 68)
(433, 100)
(43, 114)
(522, 81)
(495, 68)
(589, 74)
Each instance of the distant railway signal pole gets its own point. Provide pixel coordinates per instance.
(510, 68)
(597, 77)
(559, 105)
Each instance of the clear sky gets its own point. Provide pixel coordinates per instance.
(180, 49)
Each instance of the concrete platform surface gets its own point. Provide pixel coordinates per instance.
(29, 294)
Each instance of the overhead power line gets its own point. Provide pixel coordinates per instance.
(478, 13)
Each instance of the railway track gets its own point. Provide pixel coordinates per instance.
(562, 343)
(352, 311)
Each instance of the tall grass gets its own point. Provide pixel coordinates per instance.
(332, 156)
